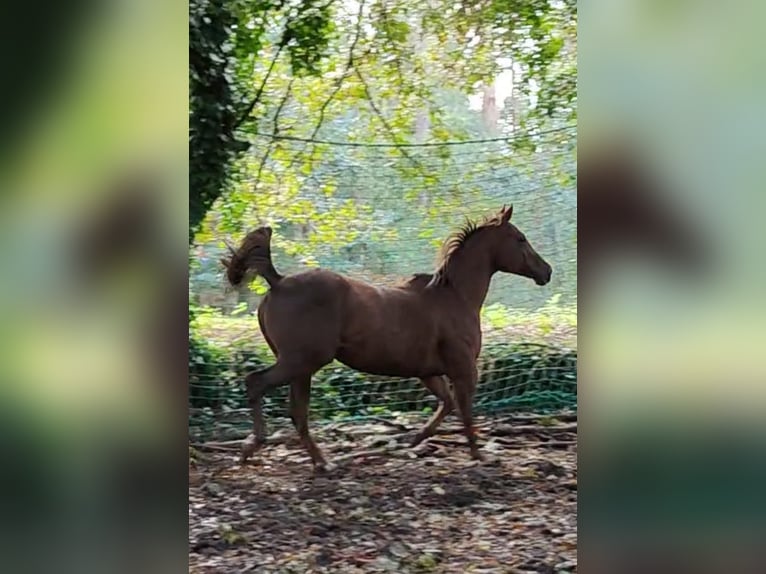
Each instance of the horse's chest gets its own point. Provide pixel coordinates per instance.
(462, 338)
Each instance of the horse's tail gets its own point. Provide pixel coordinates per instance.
(265, 268)
(253, 256)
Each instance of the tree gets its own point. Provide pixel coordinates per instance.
(224, 36)
(298, 67)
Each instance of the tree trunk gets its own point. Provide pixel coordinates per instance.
(489, 112)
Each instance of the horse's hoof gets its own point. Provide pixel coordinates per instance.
(248, 448)
(476, 455)
(325, 467)
(416, 440)
(488, 460)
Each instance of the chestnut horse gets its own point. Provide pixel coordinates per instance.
(426, 328)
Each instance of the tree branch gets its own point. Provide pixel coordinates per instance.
(384, 121)
(397, 59)
(346, 72)
(281, 106)
(337, 87)
(259, 93)
(275, 123)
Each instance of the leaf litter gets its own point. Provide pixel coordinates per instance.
(400, 510)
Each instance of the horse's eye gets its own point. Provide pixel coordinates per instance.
(522, 239)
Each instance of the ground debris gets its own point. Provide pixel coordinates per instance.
(434, 512)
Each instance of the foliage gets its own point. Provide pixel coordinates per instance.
(538, 325)
(553, 324)
(365, 71)
(513, 375)
(212, 104)
(224, 35)
(516, 377)
(357, 213)
(335, 122)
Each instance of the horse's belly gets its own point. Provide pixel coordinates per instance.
(390, 357)
(391, 369)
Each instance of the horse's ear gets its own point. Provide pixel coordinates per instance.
(505, 213)
(225, 262)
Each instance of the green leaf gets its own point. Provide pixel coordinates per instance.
(259, 286)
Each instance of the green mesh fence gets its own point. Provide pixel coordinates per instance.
(517, 377)
(400, 215)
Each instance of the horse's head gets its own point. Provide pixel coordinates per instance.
(253, 251)
(512, 253)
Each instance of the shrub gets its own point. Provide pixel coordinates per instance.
(512, 377)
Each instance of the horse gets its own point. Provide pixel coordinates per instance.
(427, 328)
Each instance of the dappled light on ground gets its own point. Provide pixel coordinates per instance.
(390, 508)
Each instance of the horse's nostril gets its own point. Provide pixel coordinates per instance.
(545, 277)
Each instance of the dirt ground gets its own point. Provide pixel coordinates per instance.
(390, 508)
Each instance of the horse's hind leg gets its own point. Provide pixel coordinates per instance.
(300, 398)
(257, 438)
(439, 387)
(257, 383)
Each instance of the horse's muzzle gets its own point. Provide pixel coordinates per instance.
(545, 277)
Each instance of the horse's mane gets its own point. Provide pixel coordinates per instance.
(416, 281)
(455, 242)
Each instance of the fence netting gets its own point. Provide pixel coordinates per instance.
(404, 205)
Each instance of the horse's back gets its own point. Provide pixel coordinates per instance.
(382, 330)
(304, 311)
(385, 305)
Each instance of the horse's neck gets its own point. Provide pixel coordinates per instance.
(469, 273)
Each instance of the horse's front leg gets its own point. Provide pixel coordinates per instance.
(439, 387)
(464, 380)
